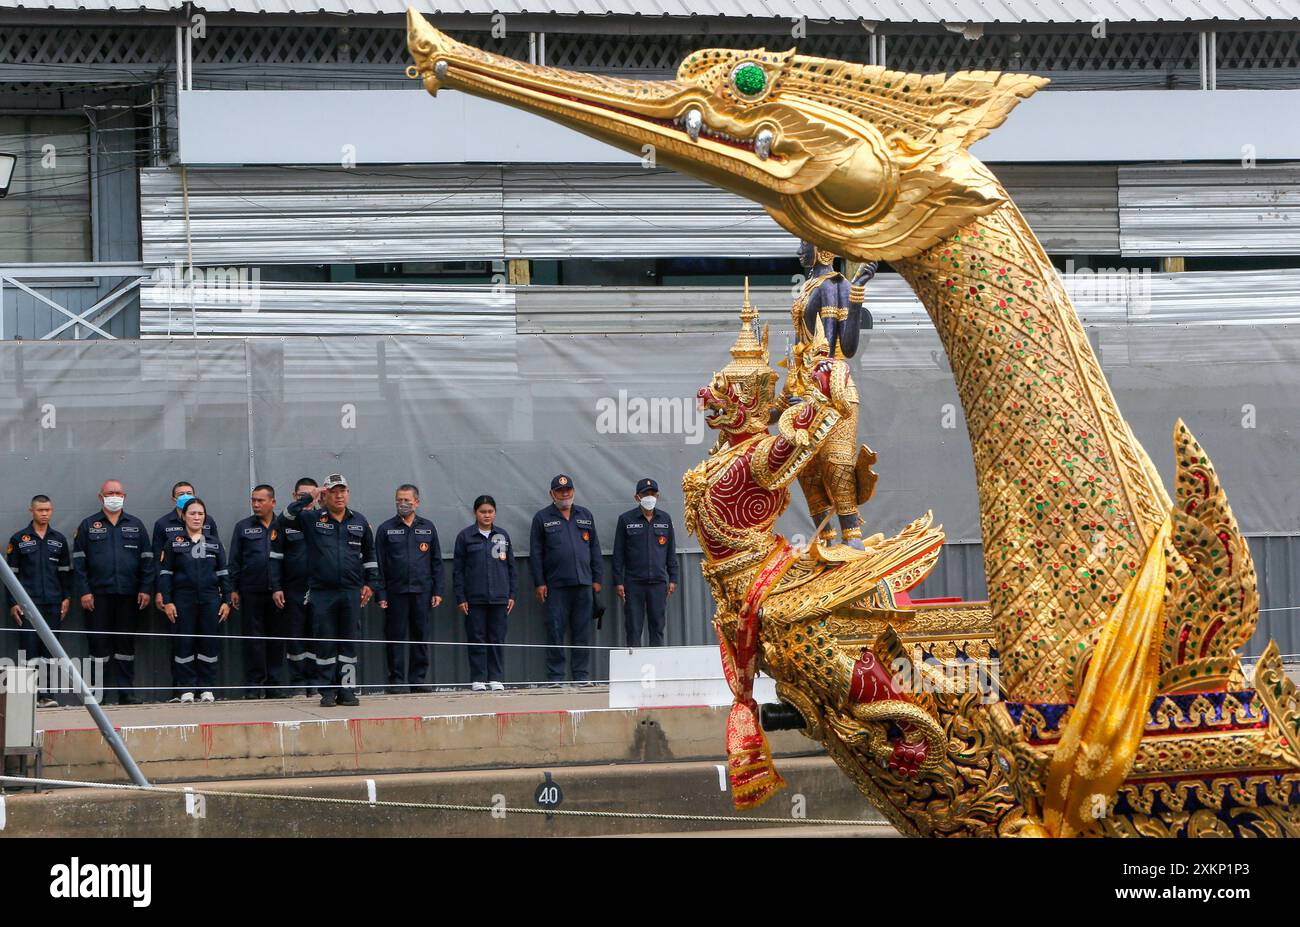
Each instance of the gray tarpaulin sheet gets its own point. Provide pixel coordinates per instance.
(501, 415)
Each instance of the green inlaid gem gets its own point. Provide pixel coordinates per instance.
(749, 79)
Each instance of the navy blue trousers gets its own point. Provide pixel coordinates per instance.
(568, 606)
(194, 659)
(486, 624)
(336, 621)
(644, 601)
(407, 619)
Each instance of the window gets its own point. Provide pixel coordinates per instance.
(46, 216)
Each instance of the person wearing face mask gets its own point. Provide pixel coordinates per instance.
(564, 558)
(113, 563)
(410, 585)
(194, 583)
(645, 564)
(483, 579)
(171, 525)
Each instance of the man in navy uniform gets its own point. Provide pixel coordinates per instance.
(410, 571)
(41, 558)
(288, 576)
(114, 569)
(170, 526)
(250, 579)
(342, 574)
(645, 564)
(564, 557)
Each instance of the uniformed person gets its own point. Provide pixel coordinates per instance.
(341, 575)
(645, 564)
(288, 575)
(170, 524)
(113, 562)
(483, 579)
(564, 558)
(262, 623)
(41, 558)
(194, 583)
(410, 585)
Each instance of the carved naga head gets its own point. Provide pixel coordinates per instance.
(869, 162)
(739, 399)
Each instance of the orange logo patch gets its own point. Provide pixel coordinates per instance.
(562, 481)
(97, 525)
(586, 535)
(27, 537)
(423, 548)
(274, 534)
(663, 540)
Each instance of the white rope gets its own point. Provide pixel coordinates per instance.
(313, 640)
(440, 806)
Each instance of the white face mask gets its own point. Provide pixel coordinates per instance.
(648, 503)
(113, 503)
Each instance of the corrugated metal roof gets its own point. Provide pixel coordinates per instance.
(925, 11)
(1209, 209)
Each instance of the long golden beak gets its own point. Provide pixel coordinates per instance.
(667, 119)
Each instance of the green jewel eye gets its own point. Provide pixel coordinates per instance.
(749, 79)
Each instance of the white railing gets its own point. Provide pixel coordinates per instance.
(84, 322)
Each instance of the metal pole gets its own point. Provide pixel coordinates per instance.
(83, 691)
(1205, 85)
(1212, 61)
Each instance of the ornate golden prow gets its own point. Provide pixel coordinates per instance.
(870, 158)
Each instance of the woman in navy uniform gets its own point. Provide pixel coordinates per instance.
(195, 588)
(483, 578)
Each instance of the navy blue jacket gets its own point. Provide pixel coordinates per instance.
(111, 559)
(340, 553)
(483, 569)
(564, 551)
(288, 555)
(250, 556)
(410, 558)
(42, 565)
(182, 569)
(645, 551)
(172, 525)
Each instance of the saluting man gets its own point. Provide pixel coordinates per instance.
(410, 571)
(41, 558)
(564, 558)
(645, 564)
(341, 578)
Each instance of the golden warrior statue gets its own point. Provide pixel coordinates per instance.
(828, 315)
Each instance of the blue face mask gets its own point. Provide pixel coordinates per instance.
(182, 499)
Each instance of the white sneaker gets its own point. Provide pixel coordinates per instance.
(46, 702)
(479, 687)
(187, 697)
(496, 687)
(207, 697)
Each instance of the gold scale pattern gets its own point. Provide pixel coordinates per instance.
(1067, 503)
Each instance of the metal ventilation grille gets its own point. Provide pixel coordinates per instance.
(1074, 59)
